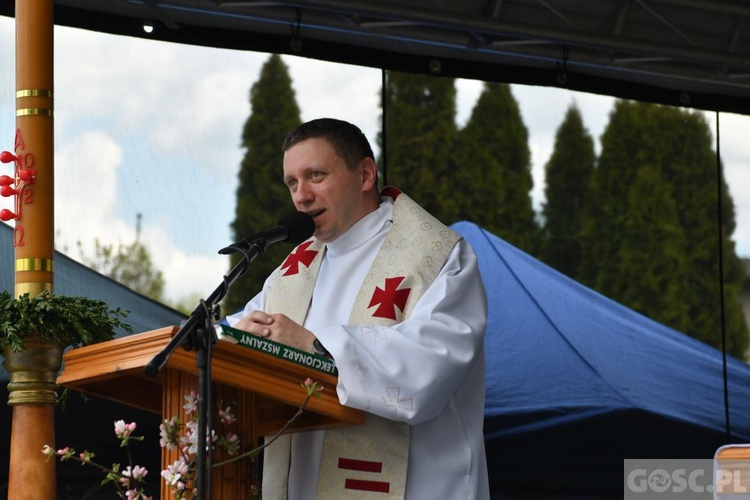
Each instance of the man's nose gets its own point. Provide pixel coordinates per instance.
(303, 194)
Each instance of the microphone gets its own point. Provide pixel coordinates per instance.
(294, 228)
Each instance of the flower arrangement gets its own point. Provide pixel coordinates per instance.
(181, 474)
(65, 320)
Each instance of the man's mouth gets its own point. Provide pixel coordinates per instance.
(316, 213)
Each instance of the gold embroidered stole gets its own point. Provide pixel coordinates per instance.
(368, 460)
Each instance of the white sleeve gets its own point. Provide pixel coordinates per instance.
(411, 370)
(255, 304)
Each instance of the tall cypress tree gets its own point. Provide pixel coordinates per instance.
(568, 184)
(678, 144)
(421, 128)
(262, 197)
(493, 168)
(690, 165)
(603, 215)
(653, 263)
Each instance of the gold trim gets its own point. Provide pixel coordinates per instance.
(34, 111)
(33, 371)
(33, 93)
(35, 264)
(33, 289)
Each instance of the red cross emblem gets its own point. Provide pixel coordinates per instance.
(301, 255)
(388, 298)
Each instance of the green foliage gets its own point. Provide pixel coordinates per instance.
(420, 132)
(654, 269)
(262, 197)
(677, 144)
(65, 320)
(493, 169)
(568, 183)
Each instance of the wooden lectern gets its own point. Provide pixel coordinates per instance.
(266, 390)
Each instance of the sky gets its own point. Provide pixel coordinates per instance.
(154, 128)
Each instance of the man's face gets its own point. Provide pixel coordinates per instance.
(322, 186)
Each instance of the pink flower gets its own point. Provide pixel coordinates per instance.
(169, 433)
(191, 405)
(226, 416)
(123, 430)
(230, 443)
(137, 473)
(48, 450)
(136, 495)
(175, 475)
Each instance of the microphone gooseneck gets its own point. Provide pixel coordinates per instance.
(294, 228)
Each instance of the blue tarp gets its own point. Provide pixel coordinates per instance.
(577, 382)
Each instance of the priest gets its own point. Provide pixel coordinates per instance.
(395, 298)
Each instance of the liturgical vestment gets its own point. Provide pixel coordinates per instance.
(427, 371)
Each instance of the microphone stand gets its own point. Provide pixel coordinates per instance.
(198, 332)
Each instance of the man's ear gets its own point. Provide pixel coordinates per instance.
(369, 174)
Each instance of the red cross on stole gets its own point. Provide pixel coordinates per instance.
(389, 298)
(301, 255)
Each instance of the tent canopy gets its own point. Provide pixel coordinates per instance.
(577, 382)
(680, 52)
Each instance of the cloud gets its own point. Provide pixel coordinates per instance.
(326, 89)
(185, 274)
(86, 192)
(735, 156)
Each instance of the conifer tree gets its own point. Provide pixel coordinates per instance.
(568, 183)
(421, 128)
(654, 269)
(603, 216)
(690, 166)
(493, 169)
(678, 144)
(262, 197)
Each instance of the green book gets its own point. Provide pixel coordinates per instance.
(281, 351)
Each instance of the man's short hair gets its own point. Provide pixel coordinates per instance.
(346, 139)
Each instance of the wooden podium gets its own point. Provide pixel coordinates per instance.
(266, 391)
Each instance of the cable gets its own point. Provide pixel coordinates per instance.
(721, 279)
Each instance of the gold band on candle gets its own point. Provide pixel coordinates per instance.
(33, 93)
(33, 289)
(35, 264)
(34, 112)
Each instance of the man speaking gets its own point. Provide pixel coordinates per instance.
(395, 298)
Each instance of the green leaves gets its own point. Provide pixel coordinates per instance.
(66, 320)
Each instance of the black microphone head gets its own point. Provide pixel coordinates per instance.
(300, 226)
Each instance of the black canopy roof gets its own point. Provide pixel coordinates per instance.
(682, 52)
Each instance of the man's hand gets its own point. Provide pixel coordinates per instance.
(277, 327)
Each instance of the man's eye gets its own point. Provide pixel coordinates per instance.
(316, 175)
(291, 184)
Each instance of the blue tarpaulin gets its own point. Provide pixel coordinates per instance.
(577, 382)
